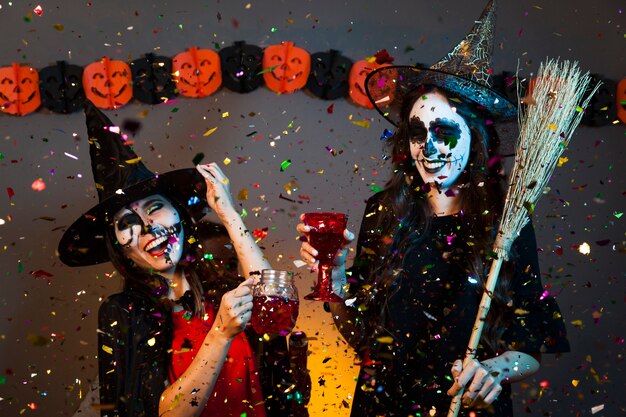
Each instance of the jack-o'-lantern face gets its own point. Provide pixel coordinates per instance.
(287, 67)
(108, 83)
(620, 100)
(62, 87)
(197, 72)
(152, 79)
(241, 67)
(358, 73)
(329, 75)
(19, 90)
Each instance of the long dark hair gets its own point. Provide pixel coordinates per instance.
(405, 195)
(208, 277)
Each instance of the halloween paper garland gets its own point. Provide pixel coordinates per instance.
(198, 73)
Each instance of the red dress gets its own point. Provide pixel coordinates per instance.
(237, 390)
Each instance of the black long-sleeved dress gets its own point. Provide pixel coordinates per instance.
(429, 316)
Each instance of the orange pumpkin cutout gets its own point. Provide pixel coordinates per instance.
(108, 84)
(19, 90)
(197, 72)
(286, 67)
(620, 98)
(358, 73)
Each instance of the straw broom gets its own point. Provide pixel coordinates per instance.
(546, 126)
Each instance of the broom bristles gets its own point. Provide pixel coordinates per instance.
(552, 113)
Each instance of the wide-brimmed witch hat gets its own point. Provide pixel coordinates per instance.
(122, 178)
(464, 71)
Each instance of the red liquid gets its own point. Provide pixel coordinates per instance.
(327, 245)
(274, 315)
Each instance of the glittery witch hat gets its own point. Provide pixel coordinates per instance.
(464, 71)
(121, 178)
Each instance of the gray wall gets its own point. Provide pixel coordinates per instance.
(585, 196)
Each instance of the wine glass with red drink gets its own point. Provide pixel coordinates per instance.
(326, 236)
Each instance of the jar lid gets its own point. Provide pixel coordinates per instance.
(277, 275)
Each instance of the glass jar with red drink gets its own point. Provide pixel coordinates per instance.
(275, 303)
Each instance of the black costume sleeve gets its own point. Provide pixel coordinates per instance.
(133, 338)
(537, 325)
(370, 253)
(371, 243)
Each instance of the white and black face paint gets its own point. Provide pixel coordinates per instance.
(439, 140)
(150, 233)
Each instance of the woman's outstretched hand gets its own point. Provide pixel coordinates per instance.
(481, 383)
(235, 310)
(217, 189)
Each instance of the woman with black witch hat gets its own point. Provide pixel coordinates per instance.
(171, 343)
(424, 244)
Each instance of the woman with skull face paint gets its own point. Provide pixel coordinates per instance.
(423, 252)
(172, 342)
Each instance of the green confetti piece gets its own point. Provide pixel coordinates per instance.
(579, 109)
(408, 48)
(285, 164)
(530, 207)
(20, 267)
(175, 110)
(216, 45)
(1, 156)
(28, 19)
(290, 125)
(244, 213)
(198, 158)
(273, 30)
(618, 214)
(375, 189)
(208, 256)
(3, 379)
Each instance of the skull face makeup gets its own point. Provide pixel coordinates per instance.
(150, 233)
(439, 139)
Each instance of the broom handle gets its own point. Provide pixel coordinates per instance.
(483, 310)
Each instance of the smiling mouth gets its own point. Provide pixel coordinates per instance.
(433, 166)
(159, 245)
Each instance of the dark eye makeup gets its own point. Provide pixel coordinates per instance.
(127, 221)
(131, 218)
(443, 131)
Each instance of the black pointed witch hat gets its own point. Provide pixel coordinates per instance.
(464, 71)
(122, 178)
